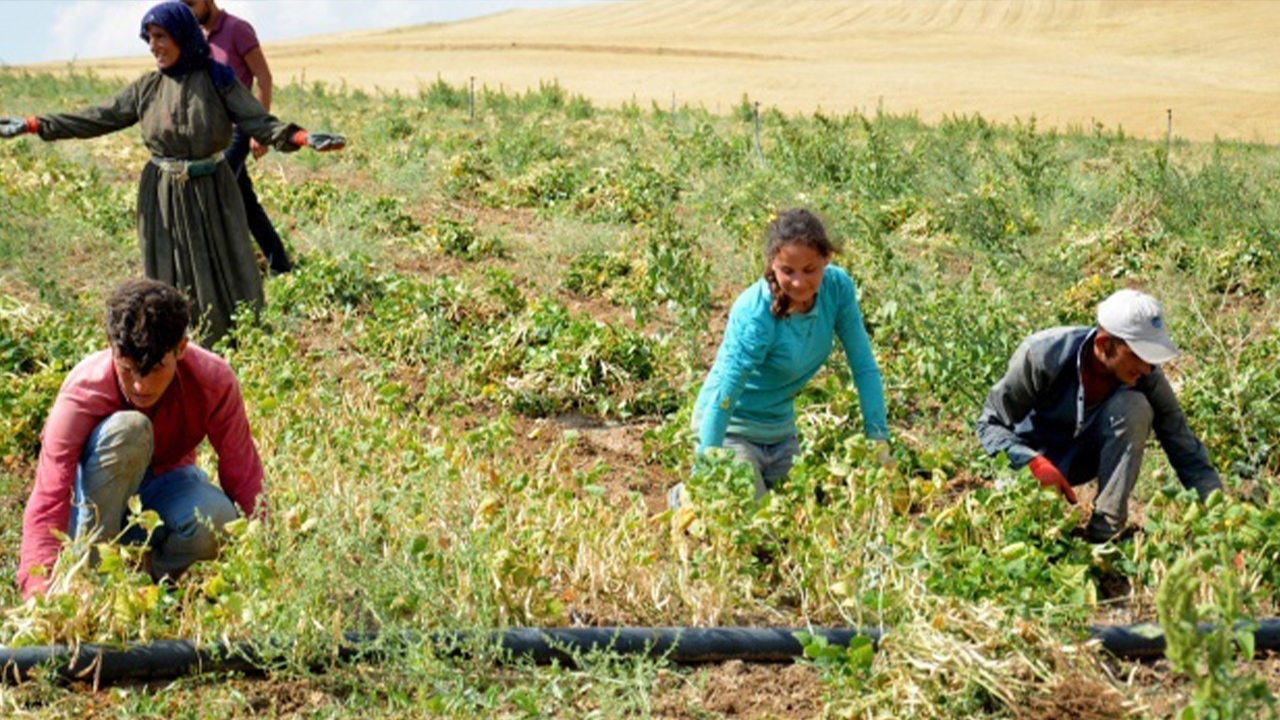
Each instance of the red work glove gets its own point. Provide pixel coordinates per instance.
(1049, 476)
(320, 142)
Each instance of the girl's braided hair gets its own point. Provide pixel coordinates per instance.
(794, 226)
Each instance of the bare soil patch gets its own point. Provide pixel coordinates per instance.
(282, 698)
(739, 690)
(620, 446)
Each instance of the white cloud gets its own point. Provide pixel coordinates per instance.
(94, 29)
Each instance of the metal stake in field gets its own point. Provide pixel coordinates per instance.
(759, 149)
(1168, 135)
(471, 102)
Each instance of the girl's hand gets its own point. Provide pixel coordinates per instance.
(883, 456)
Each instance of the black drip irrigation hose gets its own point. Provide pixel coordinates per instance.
(1146, 641)
(164, 659)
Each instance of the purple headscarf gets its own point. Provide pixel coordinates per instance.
(181, 24)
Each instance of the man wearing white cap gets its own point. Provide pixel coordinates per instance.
(1078, 403)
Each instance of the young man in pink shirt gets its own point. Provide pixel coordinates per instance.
(127, 421)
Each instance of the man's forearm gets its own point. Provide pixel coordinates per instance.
(996, 438)
(261, 71)
(264, 92)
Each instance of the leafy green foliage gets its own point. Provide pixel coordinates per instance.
(596, 273)
(854, 659)
(37, 349)
(451, 443)
(628, 191)
(1207, 658)
(460, 239)
(550, 361)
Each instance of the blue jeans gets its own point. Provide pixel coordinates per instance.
(264, 233)
(771, 462)
(114, 468)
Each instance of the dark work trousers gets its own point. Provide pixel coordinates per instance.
(259, 224)
(1110, 448)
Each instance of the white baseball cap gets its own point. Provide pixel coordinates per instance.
(1138, 319)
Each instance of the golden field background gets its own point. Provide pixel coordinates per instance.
(1215, 63)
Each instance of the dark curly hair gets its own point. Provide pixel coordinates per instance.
(146, 320)
(797, 225)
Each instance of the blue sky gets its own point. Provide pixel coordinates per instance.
(46, 30)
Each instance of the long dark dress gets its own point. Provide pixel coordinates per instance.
(193, 232)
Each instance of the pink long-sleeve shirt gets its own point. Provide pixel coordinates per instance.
(202, 401)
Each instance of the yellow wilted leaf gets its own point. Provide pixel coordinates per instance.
(150, 597)
(488, 506)
(214, 587)
(939, 478)
(109, 561)
(900, 497)
(685, 517)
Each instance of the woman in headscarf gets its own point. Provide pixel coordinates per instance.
(191, 219)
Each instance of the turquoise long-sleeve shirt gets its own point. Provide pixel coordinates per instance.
(765, 361)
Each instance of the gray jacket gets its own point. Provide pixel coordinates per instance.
(1039, 405)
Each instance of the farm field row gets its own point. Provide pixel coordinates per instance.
(473, 392)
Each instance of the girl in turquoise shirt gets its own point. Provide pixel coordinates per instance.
(780, 332)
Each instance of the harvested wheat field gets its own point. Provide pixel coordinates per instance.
(1118, 62)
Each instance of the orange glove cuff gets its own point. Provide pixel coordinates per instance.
(299, 138)
(33, 125)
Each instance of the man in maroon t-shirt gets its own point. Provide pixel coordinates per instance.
(127, 421)
(232, 41)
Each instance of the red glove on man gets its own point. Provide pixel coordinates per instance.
(1049, 476)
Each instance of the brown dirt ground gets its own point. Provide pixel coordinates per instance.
(1066, 63)
(1077, 699)
(738, 690)
(621, 447)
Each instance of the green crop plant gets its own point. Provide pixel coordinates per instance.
(1207, 658)
(630, 191)
(546, 184)
(596, 273)
(550, 361)
(36, 347)
(460, 438)
(460, 239)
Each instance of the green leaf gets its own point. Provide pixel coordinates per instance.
(1150, 631)
(1246, 640)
